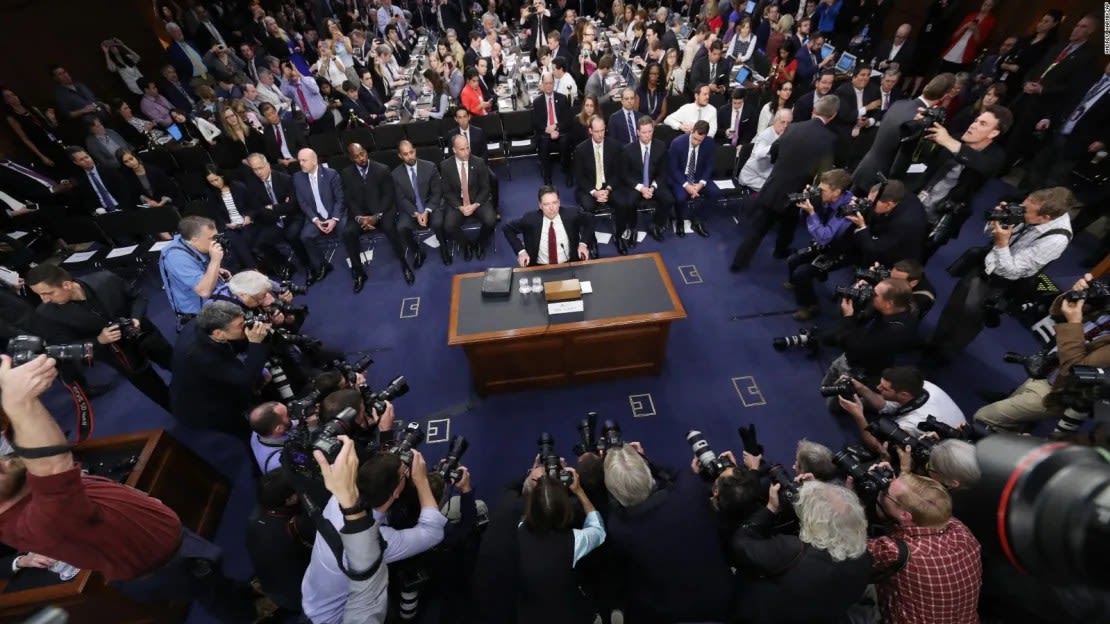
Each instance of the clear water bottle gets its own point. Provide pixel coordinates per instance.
(537, 285)
(525, 286)
(64, 570)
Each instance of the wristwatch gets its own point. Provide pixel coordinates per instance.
(350, 511)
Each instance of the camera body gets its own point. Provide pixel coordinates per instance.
(375, 401)
(861, 205)
(859, 294)
(788, 491)
(1038, 365)
(1007, 214)
(222, 239)
(1095, 297)
(811, 193)
(25, 348)
(449, 465)
(929, 117)
(411, 437)
(871, 275)
(327, 439)
(289, 286)
(587, 440)
(712, 465)
(550, 461)
(869, 484)
(843, 387)
(127, 329)
(888, 431)
(945, 227)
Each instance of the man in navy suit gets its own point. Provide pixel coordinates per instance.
(184, 56)
(691, 176)
(551, 125)
(810, 62)
(319, 193)
(622, 124)
(552, 234)
(643, 180)
(271, 193)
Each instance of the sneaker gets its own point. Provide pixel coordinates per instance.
(807, 313)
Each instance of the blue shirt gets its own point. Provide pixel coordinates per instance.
(589, 537)
(267, 454)
(824, 226)
(182, 268)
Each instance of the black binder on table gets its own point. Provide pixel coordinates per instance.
(497, 283)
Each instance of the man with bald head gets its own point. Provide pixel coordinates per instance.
(270, 192)
(320, 195)
(419, 192)
(466, 194)
(896, 53)
(368, 190)
(622, 124)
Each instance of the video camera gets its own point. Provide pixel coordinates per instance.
(871, 275)
(805, 338)
(972, 432)
(811, 194)
(449, 465)
(24, 348)
(1038, 365)
(550, 460)
(712, 465)
(886, 430)
(869, 484)
(859, 294)
(915, 127)
(1007, 214)
(1096, 296)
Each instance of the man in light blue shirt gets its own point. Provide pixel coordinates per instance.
(381, 480)
(190, 266)
(270, 423)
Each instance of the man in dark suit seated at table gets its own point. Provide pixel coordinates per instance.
(466, 194)
(552, 233)
(283, 139)
(476, 138)
(551, 126)
(736, 119)
(368, 189)
(644, 181)
(419, 193)
(691, 176)
(99, 190)
(319, 193)
(594, 184)
(271, 195)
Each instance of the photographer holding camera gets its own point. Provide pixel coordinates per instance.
(381, 480)
(103, 309)
(190, 267)
(893, 230)
(270, 425)
(211, 387)
(827, 562)
(829, 229)
(904, 396)
(1083, 339)
(929, 563)
(252, 290)
(924, 294)
(1023, 245)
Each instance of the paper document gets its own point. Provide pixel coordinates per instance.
(724, 185)
(80, 256)
(432, 242)
(603, 238)
(917, 168)
(587, 287)
(122, 251)
(17, 234)
(687, 227)
(159, 245)
(564, 307)
(522, 143)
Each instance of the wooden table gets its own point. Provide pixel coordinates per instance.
(512, 344)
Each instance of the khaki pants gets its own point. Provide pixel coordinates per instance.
(1024, 407)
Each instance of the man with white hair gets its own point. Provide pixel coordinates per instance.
(758, 167)
(319, 193)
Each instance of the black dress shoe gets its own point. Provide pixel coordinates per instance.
(680, 228)
(410, 277)
(445, 254)
(468, 252)
(313, 276)
(633, 239)
(418, 261)
(656, 233)
(480, 250)
(360, 281)
(699, 229)
(622, 247)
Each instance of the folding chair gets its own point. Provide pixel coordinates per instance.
(518, 132)
(74, 230)
(425, 133)
(390, 158)
(496, 147)
(339, 162)
(325, 145)
(666, 134)
(154, 221)
(160, 158)
(193, 158)
(362, 136)
(192, 184)
(388, 136)
(430, 153)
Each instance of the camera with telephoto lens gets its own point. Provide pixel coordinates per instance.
(351, 371)
(1037, 366)
(411, 437)
(945, 227)
(812, 194)
(449, 465)
(788, 491)
(587, 441)
(859, 294)
(886, 430)
(869, 484)
(929, 117)
(805, 338)
(1007, 213)
(972, 432)
(24, 348)
(1095, 297)
(861, 205)
(375, 401)
(550, 461)
(127, 329)
(712, 465)
(842, 387)
(610, 436)
(291, 287)
(302, 408)
(327, 439)
(871, 275)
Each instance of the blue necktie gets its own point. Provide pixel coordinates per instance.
(647, 159)
(102, 191)
(416, 190)
(631, 126)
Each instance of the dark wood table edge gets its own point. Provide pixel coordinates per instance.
(678, 313)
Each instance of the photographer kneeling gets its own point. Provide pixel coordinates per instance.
(826, 563)
(893, 230)
(924, 294)
(1026, 239)
(829, 229)
(252, 290)
(211, 387)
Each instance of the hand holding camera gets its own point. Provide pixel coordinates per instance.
(20, 385)
(340, 475)
(257, 332)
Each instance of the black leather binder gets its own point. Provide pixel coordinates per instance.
(497, 283)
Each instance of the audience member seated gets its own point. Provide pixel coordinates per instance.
(758, 167)
(691, 177)
(643, 182)
(466, 194)
(551, 127)
(736, 120)
(98, 190)
(369, 192)
(273, 200)
(319, 192)
(103, 143)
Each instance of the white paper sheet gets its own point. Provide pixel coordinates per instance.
(17, 234)
(159, 245)
(603, 238)
(80, 256)
(586, 286)
(122, 251)
(724, 185)
(432, 242)
(522, 143)
(563, 307)
(917, 168)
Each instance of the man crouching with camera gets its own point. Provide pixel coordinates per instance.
(824, 217)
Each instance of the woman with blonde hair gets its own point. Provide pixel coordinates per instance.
(780, 30)
(237, 141)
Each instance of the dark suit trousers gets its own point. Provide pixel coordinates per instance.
(763, 220)
(962, 318)
(310, 233)
(240, 241)
(291, 232)
(352, 232)
(407, 226)
(155, 348)
(801, 274)
(1052, 166)
(686, 208)
(545, 145)
(453, 220)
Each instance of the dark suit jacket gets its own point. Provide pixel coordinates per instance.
(978, 167)
(669, 40)
(331, 194)
(904, 58)
(478, 182)
(160, 184)
(294, 137)
(1093, 126)
(211, 385)
(429, 181)
(371, 102)
(86, 199)
(109, 297)
(470, 57)
(478, 146)
(803, 151)
(807, 69)
(180, 60)
(371, 195)
(283, 192)
(576, 222)
(618, 127)
(243, 204)
(848, 114)
(632, 168)
(887, 140)
(562, 114)
(177, 97)
(585, 170)
(803, 106)
(677, 155)
(749, 119)
(898, 235)
(699, 73)
(1058, 82)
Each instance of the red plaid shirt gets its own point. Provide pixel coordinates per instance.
(939, 583)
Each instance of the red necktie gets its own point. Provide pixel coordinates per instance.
(550, 111)
(277, 135)
(304, 103)
(552, 245)
(1063, 54)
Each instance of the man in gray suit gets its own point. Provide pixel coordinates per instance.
(419, 201)
(595, 85)
(889, 137)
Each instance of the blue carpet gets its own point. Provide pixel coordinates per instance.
(720, 373)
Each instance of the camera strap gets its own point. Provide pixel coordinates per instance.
(83, 410)
(896, 567)
(192, 253)
(915, 404)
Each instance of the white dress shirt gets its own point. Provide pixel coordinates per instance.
(690, 113)
(561, 241)
(758, 167)
(567, 87)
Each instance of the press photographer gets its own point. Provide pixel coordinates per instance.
(102, 309)
(1082, 339)
(823, 212)
(827, 562)
(1026, 238)
(924, 294)
(279, 539)
(190, 267)
(270, 425)
(211, 387)
(252, 290)
(894, 229)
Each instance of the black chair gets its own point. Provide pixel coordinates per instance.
(666, 134)
(518, 132)
(196, 208)
(724, 160)
(362, 136)
(390, 158)
(429, 153)
(608, 108)
(675, 102)
(154, 221)
(425, 133)
(326, 144)
(159, 158)
(495, 138)
(387, 136)
(192, 184)
(193, 158)
(121, 227)
(339, 162)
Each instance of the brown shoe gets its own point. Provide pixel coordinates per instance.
(807, 313)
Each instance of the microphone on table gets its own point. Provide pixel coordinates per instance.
(570, 262)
